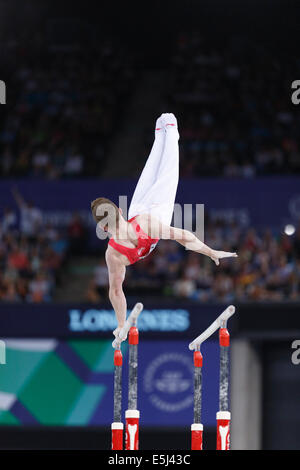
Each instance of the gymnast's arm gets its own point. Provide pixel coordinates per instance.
(116, 275)
(156, 229)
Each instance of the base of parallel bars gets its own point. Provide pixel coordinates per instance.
(197, 436)
(117, 436)
(223, 430)
(132, 429)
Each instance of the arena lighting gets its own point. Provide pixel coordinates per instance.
(289, 229)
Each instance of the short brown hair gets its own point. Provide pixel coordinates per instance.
(98, 202)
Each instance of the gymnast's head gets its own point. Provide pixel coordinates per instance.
(106, 214)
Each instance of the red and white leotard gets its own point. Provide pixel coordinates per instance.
(144, 247)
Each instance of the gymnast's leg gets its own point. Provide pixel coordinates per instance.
(149, 173)
(160, 198)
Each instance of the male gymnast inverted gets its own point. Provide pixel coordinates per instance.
(150, 215)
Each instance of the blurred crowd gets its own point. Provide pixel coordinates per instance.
(267, 269)
(63, 106)
(33, 254)
(232, 99)
(234, 105)
(34, 257)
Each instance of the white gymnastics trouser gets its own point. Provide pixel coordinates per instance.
(156, 189)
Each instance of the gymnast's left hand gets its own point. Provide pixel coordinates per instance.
(116, 335)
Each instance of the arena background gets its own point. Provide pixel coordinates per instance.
(84, 85)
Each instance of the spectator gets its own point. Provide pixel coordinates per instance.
(92, 294)
(39, 288)
(77, 235)
(29, 266)
(74, 164)
(31, 217)
(9, 220)
(101, 278)
(184, 287)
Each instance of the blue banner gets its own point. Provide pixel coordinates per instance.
(259, 202)
(85, 320)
